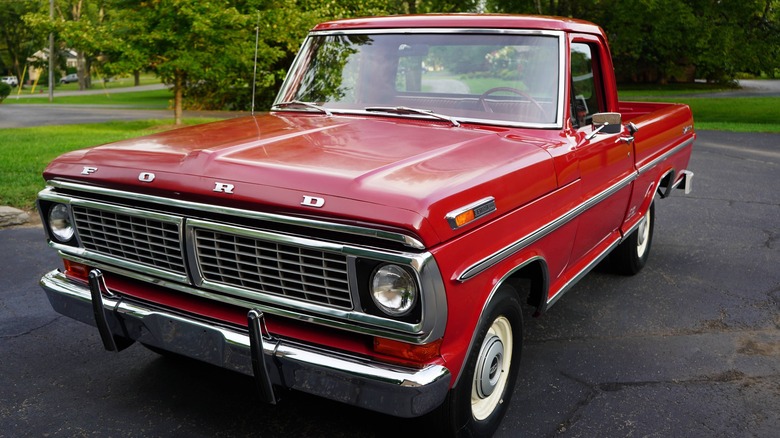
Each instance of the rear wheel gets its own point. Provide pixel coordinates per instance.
(477, 404)
(631, 255)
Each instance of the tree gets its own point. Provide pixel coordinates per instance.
(79, 21)
(675, 40)
(431, 6)
(205, 49)
(19, 40)
(186, 43)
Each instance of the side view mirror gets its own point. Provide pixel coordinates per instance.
(609, 121)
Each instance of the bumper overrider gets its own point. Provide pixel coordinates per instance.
(386, 388)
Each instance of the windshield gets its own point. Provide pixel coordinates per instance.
(502, 78)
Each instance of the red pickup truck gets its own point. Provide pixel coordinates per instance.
(372, 239)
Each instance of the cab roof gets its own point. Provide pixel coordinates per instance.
(475, 21)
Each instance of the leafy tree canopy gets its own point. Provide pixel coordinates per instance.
(205, 49)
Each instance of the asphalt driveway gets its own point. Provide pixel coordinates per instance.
(689, 347)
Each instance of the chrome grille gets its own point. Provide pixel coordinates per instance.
(274, 268)
(148, 241)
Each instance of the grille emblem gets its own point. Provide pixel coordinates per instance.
(87, 170)
(312, 201)
(146, 177)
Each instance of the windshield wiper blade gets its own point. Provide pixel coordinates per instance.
(304, 104)
(405, 110)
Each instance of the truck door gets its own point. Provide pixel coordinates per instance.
(605, 161)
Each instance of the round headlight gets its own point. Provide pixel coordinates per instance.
(393, 290)
(60, 224)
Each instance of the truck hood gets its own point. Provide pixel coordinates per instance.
(400, 173)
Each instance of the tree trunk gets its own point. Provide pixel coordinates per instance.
(81, 69)
(178, 93)
(137, 78)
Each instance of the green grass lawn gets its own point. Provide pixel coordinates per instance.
(25, 152)
(157, 99)
(98, 84)
(631, 91)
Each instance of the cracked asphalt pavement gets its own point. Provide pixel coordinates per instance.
(689, 347)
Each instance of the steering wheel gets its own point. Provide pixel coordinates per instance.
(487, 108)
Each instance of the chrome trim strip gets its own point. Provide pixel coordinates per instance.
(359, 381)
(635, 226)
(406, 240)
(665, 155)
(436, 30)
(83, 254)
(569, 284)
(543, 231)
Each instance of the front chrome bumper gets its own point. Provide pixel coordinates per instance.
(386, 388)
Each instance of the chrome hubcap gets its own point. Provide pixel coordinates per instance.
(490, 366)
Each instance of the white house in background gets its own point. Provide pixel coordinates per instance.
(42, 57)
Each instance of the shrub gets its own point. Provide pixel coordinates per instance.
(5, 90)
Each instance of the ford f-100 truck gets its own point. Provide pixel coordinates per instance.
(372, 239)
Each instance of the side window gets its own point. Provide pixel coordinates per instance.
(585, 96)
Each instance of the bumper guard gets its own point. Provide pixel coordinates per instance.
(387, 388)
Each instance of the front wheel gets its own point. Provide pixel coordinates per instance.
(477, 404)
(631, 255)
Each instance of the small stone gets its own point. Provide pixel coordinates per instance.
(12, 216)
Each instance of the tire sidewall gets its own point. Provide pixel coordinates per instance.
(505, 303)
(641, 260)
(625, 258)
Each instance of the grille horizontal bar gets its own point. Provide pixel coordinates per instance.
(306, 274)
(148, 241)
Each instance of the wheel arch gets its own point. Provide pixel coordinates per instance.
(530, 276)
(666, 183)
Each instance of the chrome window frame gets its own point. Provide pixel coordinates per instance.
(562, 65)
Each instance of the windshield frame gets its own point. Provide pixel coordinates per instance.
(299, 63)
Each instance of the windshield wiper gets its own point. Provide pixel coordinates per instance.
(304, 104)
(404, 110)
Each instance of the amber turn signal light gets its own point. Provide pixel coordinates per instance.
(77, 270)
(412, 352)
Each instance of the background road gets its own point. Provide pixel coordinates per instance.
(12, 116)
(20, 116)
(689, 347)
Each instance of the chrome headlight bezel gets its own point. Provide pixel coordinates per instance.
(60, 223)
(394, 290)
